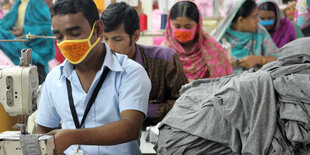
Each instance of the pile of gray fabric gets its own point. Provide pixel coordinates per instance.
(255, 112)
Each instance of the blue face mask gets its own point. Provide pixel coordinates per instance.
(266, 22)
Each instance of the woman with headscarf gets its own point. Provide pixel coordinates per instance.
(201, 55)
(251, 45)
(28, 17)
(282, 30)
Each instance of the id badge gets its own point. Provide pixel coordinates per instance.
(78, 151)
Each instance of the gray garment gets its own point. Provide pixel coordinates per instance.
(181, 142)
(263, 112)
(227, 112)
(30, 144)
(292, 84)
(296, 52)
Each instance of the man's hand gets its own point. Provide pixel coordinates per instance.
(63, 139)
(249, 61)
(17, 31)
(125, 130)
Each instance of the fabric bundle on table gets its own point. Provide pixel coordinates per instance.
(255, 112)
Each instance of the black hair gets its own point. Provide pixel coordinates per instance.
(87, 7)
(245, 10)
(185, 9)
(268, 6)
(120, 13)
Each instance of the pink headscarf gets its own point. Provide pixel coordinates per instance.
(206, 59)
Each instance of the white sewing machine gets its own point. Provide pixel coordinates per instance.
(18, 93)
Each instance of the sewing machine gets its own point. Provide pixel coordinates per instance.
(18, 93)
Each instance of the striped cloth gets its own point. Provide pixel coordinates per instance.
(166, 74)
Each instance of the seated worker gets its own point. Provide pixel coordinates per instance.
(251, 45)
(282, 30)
(121, 32)
(100, 96)
(201, 55)
(28, 16)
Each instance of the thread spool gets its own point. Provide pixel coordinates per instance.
(163, 21)
(143, 22)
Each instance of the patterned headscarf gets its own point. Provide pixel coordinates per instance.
(206, 59)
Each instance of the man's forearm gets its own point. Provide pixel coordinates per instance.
(43, 130)
(110, 134)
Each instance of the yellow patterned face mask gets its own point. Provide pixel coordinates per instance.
(76, 50)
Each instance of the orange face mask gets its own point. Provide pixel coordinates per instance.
(183, 35)
(76, 50)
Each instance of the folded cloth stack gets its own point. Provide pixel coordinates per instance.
(265, 111)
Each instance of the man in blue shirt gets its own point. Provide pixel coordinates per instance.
(115, 116)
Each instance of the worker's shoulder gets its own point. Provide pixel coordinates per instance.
(128, 65)
(55, 73)
(158, 52)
